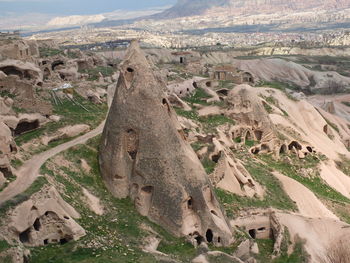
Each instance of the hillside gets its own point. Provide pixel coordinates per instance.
(163, 156)
(249, 7)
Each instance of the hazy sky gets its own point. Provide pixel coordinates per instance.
(75, 7)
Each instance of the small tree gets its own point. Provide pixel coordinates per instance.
(333, 87)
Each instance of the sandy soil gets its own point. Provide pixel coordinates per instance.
(93, 202)
(307, 202)
(335, 178)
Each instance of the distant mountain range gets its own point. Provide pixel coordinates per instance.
(249, 7)
(191, 7)
(332, 12)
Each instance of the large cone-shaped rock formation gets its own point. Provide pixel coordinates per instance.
(144, 155)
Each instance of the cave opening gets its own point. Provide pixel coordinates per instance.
(190, 203)
(198, 238)
(147, 189)
(63, 241)
(24, 236)
(209, 235)
(26, 126)
(258, 135)
(57, 63)
(11, 70)
(255, 151)
(215, 158)
(283, 149)
(252, 233)
(132, 143)
(46, 74)
(295, 145)
(6, 172)
(37, 224)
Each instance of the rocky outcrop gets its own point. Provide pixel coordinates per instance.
(249, 110)
(19, 49)
(44, 219)
(23, 122)
(23, 70)
(7, 148)
(22, 80)
(144, 155)
(275, 69)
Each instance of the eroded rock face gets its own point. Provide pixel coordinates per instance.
(144, 155)
(247, 108)
(7, 148)
(45, 218)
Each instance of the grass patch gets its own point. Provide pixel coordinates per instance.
(19, 110)
(49, 52)
(284, 113)
(273, 101)
(280, 86)
(274, 196)
(94, 73)
(178, 249)
(16, 163)
(225, 84)
(196, 146)
(268, 108)
(201, 97)
(209, 123)
(71, 114)
(9, 180)
(116, 236)
(314, 182)
(5, 93)
(250, 143)
(266, 248)
(7, 259)
(192, 115)
(3, 245)
(238, 139)
(198, 97)
(208, 165)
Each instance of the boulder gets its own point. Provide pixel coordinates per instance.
(243, 250)
(144, 155)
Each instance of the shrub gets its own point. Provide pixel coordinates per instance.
(337, 252)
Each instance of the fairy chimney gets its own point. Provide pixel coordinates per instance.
(144, 156)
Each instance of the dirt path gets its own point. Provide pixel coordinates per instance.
(29, 171)
(306, 201)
